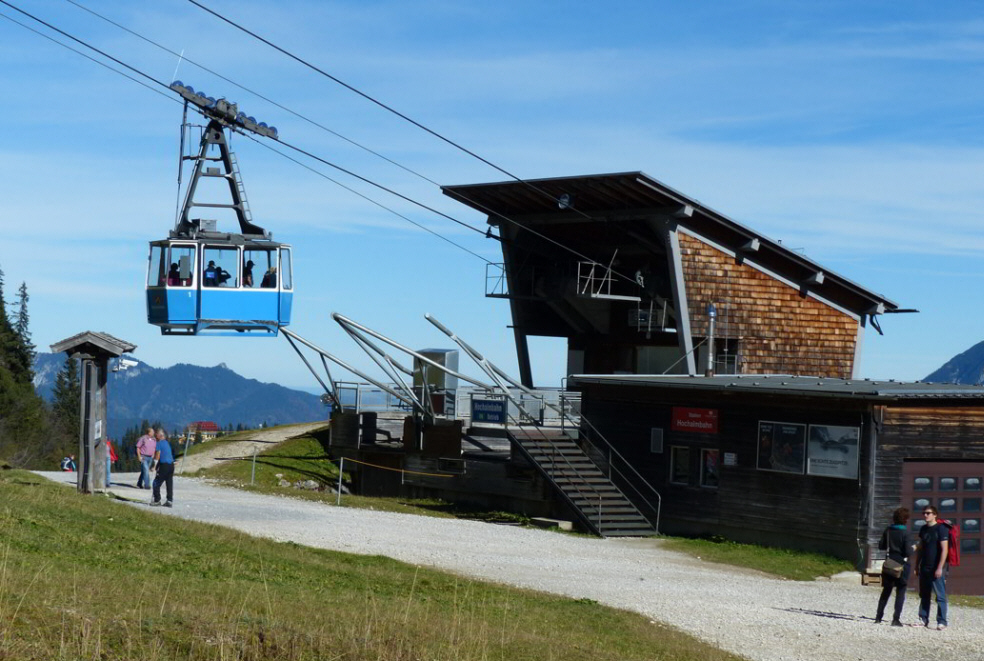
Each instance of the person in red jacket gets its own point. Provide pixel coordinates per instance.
(111, 458)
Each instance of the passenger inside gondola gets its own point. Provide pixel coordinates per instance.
(211, 275)
(248, 274)
(173, 277)
(269, 278)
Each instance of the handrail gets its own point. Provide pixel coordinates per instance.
(575, 483)
(613, 451)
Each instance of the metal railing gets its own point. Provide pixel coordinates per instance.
(549, 407)
(620, 471)
(580, 485)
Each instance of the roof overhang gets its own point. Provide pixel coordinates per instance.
(605, 197)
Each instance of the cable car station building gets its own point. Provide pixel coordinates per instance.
(724, 368)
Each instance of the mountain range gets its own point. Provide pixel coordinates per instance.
(181, 394)
(966, 368)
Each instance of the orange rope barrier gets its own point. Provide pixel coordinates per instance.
(397, 470)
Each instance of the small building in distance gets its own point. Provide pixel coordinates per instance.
(208, 430)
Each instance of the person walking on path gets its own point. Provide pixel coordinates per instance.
(896, 542)
(934, 543)
(111, 458)
(164, 466)
(146, 446)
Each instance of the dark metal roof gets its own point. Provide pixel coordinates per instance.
(595, 195)
(101, 343)
(787, 385)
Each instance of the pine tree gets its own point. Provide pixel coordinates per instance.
(24, 434)
(23, 332)
(67, 397)
(6, 332)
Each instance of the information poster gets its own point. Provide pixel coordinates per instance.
(781, 447)
(833, 451)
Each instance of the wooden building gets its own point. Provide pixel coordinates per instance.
(632, 273)
(800, 462)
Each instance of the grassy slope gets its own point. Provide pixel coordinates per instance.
(84, 577)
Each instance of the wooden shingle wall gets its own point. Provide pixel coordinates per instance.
(779, 331)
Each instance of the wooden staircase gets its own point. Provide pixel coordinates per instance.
(596, 499)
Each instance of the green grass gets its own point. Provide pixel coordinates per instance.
(304, 458)
(245, 435)
(83, 577)
(966, 600)
(793, 565)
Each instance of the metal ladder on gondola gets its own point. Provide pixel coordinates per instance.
(237, 177)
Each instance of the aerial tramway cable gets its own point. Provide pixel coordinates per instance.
(368, 97)
(317, 158)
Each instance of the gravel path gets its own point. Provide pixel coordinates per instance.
(259, 439)
(738, 610)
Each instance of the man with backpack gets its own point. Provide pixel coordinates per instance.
(931, 556)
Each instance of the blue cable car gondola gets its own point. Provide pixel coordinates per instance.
(202, 281)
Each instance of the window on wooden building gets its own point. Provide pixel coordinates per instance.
(948, 505)
(921, 503)
(971, 526)
(679, 465)
(972, 484)
(948, 484)
(709, 468)
(922, 484)
(972, 504)
(656, 440)
(970, 546)
(917, 524)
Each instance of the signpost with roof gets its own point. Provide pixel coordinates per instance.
(93, 351)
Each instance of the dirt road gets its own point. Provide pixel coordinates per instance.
(260, 440)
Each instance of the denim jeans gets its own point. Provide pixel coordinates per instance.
(143, 482)
(929, 584)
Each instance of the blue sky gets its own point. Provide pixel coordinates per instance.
(851, 131)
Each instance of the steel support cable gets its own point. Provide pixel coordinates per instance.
(422, 127)
(254, 93)
(89, 46)
(377, 102)
(390, 368)
(366, 197)
(341, 363)
(88, 57)
(298, 149)
(369, 150)
(342, 320)
(378, 185)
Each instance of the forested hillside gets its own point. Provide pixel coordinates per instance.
(31, 433)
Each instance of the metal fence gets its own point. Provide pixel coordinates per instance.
(543, 407)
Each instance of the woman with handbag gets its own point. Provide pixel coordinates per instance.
(895, 570)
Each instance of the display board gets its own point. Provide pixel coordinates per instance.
(833, 451)
(781, 447)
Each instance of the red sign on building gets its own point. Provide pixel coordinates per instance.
(702, 421)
